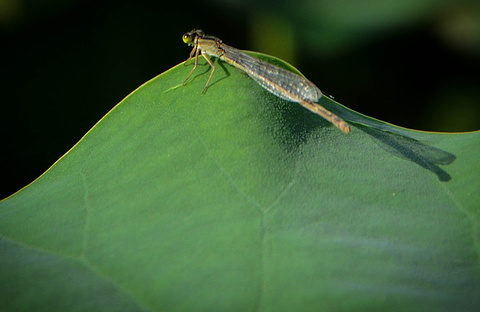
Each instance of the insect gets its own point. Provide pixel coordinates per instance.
(281, 82)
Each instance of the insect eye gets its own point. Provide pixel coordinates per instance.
(187, 38)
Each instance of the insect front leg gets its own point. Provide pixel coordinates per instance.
(194, 51)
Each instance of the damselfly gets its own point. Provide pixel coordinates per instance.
(281, 82)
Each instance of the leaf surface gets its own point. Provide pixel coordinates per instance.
(236, 200)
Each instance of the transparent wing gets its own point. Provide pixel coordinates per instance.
(281, 82)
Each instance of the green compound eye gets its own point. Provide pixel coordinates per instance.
(187, 38)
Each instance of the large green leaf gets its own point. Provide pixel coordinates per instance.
(236, 200)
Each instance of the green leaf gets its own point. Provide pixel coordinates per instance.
(236, 200)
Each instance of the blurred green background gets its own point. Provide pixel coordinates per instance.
(66, 63)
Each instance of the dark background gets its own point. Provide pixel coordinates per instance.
(66, 63)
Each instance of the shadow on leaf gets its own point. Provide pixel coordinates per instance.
(420, 153)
